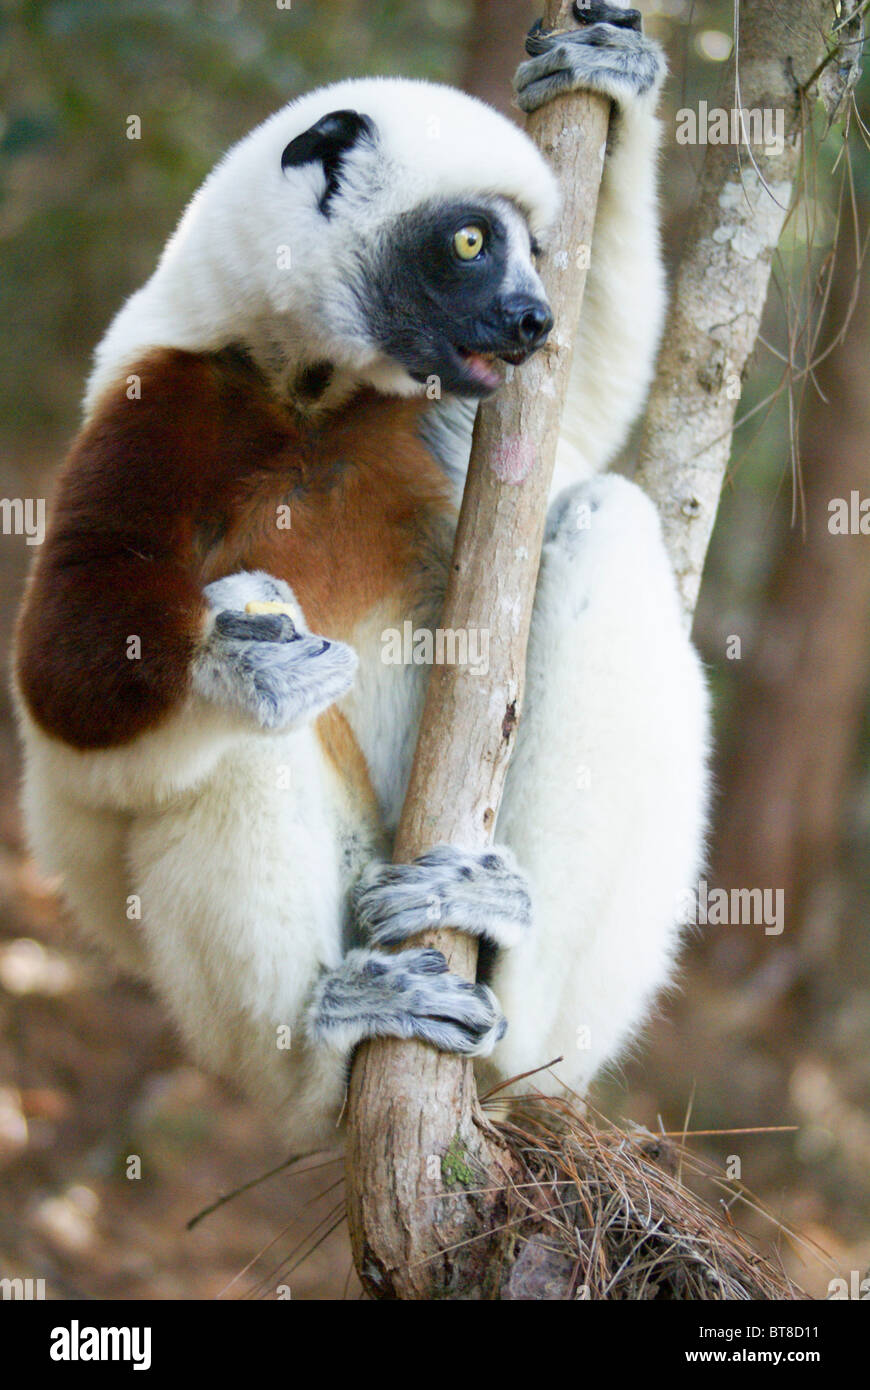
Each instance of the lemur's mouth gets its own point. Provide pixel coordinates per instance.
(481, 366)
(484, 367)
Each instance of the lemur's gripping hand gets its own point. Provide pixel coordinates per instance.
(409, 995)
(485, 895)
(610, 55)
(264, 663)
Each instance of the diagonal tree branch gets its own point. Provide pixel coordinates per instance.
(414, 1126)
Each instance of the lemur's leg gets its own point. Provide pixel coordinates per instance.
(241, 910)
(243, 903)
(605, 799)
(251, 672)
(85, 846)
(243, 886)
(623, 308)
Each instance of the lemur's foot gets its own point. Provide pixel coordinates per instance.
(483, 894)
(601, 12)
(609, 55)
(408, 995)
(265, 663)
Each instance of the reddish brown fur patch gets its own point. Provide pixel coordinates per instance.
(163, 494)
(337, 740)
(366, 486)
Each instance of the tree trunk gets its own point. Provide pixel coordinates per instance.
(722, 281)
(416, 1138)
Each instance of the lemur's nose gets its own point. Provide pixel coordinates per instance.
(528, 321)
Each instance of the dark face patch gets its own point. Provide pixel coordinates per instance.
(440, 314)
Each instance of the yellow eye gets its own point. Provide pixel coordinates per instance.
(468, 242)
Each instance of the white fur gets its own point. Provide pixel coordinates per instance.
(242, 846)
(623, 306)
(219, 280)
(606, 791)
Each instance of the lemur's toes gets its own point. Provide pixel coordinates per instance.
(483, 894)
(408, 995)
(600, 12)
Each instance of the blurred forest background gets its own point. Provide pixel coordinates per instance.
(767, 1030)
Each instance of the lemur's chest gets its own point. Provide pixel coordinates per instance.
(362, 532)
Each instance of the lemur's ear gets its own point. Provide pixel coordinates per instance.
(327, 142)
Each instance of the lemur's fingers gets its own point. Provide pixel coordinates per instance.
(258, 658)
(615, 60)
(254, 607)
(592, 12)
(256, 627)
(408, 995)
(278, 683)
(482, 894)
(253, 592)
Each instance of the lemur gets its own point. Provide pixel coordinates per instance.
(265, 483)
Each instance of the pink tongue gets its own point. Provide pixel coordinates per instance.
(484, 371)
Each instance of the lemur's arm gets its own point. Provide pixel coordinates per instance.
(624, 302)
(113, 613)
(117, 631)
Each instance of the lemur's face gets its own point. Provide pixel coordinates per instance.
(453, 290)
(415, 285)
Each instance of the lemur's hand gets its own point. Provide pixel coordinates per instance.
(485, 895)
(265, 663)
(610, 55)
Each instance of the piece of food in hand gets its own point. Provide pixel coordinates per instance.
(272, 605)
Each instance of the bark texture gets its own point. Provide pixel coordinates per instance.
(417, 1140)
(721, 285)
